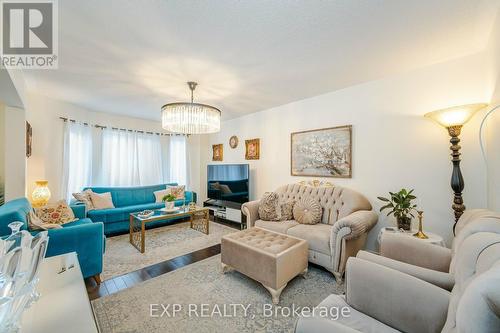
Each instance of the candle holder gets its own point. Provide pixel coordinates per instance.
(420, 233)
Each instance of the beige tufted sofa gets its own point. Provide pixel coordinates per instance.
(347, 217)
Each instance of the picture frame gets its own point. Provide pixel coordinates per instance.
(325, 152)
(233, 141)
(252, 149)
(217, 152)
(29, 139)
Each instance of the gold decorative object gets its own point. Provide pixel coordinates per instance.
(316, 183)
(453, 119)
(252, 149)
(192, 206)
(41, 194)
(199, 220)
(420, 233)
(217, 152)
(233, 141)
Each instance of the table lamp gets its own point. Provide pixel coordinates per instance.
(453, 119)
(41, 194)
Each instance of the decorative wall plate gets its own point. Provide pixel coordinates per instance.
(233, 141)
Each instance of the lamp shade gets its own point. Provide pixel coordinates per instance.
(456, 115)
(41, 194)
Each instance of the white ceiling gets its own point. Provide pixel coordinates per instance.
(131, 57)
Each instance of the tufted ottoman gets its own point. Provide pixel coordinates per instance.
(272, 259)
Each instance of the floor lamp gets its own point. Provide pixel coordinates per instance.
(453, 119)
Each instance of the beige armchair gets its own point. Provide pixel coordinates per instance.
(346, 220)
(432, 263)
(381, 299)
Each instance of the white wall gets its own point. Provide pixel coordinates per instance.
(394, 146)
(46, 161)
(13, 151)
(493, 123)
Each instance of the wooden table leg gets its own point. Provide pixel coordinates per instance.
(207, 220)
(131, 229)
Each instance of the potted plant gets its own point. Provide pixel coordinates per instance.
(169, 201)
(401, 206)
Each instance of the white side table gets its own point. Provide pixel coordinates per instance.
(433, 238)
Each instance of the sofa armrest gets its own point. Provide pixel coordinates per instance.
(319, 324)
(87, 240)
(251, 211)
(351, 227)
(79, 210)
(415, 252)
(440, 279)
(399, 300)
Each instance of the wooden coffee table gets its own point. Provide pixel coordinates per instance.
(199, 218)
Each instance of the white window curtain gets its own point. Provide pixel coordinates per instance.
(178, 161)
(130, 158)
(77, 158)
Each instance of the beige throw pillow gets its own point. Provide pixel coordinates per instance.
(160, 194)
(85, 198)
(269, 208)
(57, 213)
(307, 211)
(102, 200)
(35, 223)
(287, 210)
(225, 189)
(177, 191)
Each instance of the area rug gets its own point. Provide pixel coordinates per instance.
(162, 244)
(201, 286)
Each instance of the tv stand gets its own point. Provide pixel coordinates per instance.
(226, 211)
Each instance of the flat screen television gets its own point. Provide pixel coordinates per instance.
(228, 182)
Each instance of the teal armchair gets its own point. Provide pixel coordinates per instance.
(82, 236)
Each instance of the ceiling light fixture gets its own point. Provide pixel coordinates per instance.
(190, 118)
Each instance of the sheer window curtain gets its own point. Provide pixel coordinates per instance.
(77, 158)
(177, 168)
(130, 158)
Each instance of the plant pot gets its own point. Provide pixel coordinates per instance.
(404, 223)
(169, 205)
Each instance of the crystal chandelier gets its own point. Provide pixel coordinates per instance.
(190, 118)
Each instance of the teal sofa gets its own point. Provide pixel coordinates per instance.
(130, 200)
(82, 236)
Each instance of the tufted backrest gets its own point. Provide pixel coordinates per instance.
(475, 299)
(336, 202)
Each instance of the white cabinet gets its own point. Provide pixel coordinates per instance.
(64, 304)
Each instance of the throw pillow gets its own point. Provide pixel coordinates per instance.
(35, 223)
(307, 211)
(102, 200)
(85, 198)
(160, 194)
(225, 189)
(269, 208)
(177, 191)
(287, 210)
(57, 213)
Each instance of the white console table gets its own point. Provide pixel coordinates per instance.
(64, 304)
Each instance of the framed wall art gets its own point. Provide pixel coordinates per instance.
(217, 152)
(325, 152)
(252, 149)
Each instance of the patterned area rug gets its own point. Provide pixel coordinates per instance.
(201, 286)
(162, 244)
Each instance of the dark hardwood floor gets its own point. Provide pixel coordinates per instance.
(128, 280)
